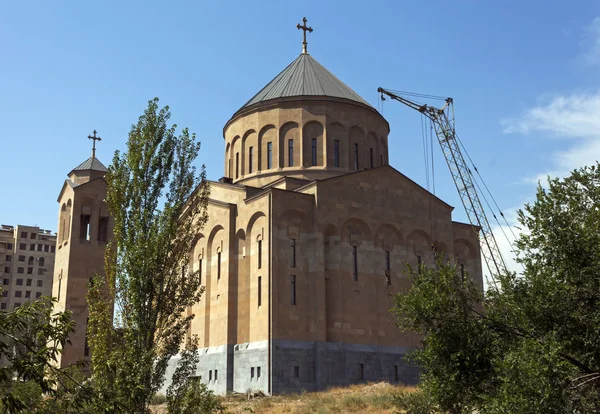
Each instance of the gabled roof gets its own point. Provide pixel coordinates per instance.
(304, 77)
(91, 163)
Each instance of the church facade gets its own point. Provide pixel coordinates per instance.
(308, 235)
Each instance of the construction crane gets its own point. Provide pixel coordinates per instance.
(443, 123)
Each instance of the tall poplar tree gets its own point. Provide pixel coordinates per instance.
(158, 200)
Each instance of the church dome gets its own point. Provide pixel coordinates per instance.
(303, 78)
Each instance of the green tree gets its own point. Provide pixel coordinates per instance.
(533, 345)
(158, 202)
(31, 339)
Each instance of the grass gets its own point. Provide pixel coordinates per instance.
(363, 398)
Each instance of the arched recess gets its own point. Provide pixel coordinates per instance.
(240, 237)
(236, 157)
(289, 133)
(63, 223)
(357, 148)
(85, 218)
(356, 231)
(228, 160)
(198, 253)
(313, 154)
(268, 134)
(250, 152)
(373, 151)
(337, 133)
(387, 237)
(419, 243)
(215, 242)
(464, 249)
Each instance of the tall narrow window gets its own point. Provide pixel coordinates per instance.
(290, 153)
(336, 153)
(30, 261)
(354, 263)
(259, 291)
(210, 376)
(251, 372)
(313, 152)
(296, 371)
(257, 372)
(388, 276)
(103, 229)
(59, 283)
(293, 255)
(356, 156)
(250, 154)
(293, 286)
(361, 371)
(216, 375)
(462, 272)
(381, 160)
(237, 164)
(419, 263)
(42, 262)
(84, 227)
(269, 155)
(259, 254)
(200, 270)
(371, 156)
(395, 373)
(218, 265)
(230, 171)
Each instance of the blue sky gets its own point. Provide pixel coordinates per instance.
(524, 77)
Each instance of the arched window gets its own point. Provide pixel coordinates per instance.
(30, 262)
(42, 261)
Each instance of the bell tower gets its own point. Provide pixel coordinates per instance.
(84, 228)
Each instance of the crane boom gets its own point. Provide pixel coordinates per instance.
(443, 122)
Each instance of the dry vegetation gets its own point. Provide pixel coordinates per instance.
(366, 398)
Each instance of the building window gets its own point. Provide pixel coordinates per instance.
(259, 291)
(52, 249)
(293, 285)
(216, 375)
(361, 371)
(46, 248)
(257, 372)
(354, 263)
(200, 270)
(7, 269)
(23, 234)
(32, 247)
(218, 265)
(28, 282)
(17, 293)
(250, 155)
(5, 282)
(22, 246)
(5, 294)
(419, 264)
(9, 258)
(84, 227)
(237, 164)
(395, 372)
(314, 152)
(251, 372)
(9, 246)
(41, 272)
(388, 268)
(462, 272)
(30, 261)
(371, 156)
(33, 236)
(30, 270)
(40, 283)
(3, 306)
(356, 156)
(17, 305)
(293, 255)
(28, 293)
(259, 258)
(269, 155)
(20, 270)
(210, 376)
(21, 258)
(38, 295)
(336, 153)
(42, 261)
(296, 371)
(103, 229)
(40, 247)
(290, 153)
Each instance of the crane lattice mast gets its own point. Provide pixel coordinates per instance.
(443, 122)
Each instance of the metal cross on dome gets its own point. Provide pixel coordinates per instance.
(305, 28)
(94, 138)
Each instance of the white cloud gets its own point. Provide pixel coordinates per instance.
(574, 119)
(592, 41)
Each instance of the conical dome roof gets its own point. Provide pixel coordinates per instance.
(91, 163)
(304, 77)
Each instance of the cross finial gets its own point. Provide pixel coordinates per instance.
(305, 28)
(94, 138)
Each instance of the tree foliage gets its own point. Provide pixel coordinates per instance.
(533, 344)
(158, 202)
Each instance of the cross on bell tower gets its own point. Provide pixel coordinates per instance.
(94, 138)
(305, 28)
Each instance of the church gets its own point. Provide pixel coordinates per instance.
(307, 240)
